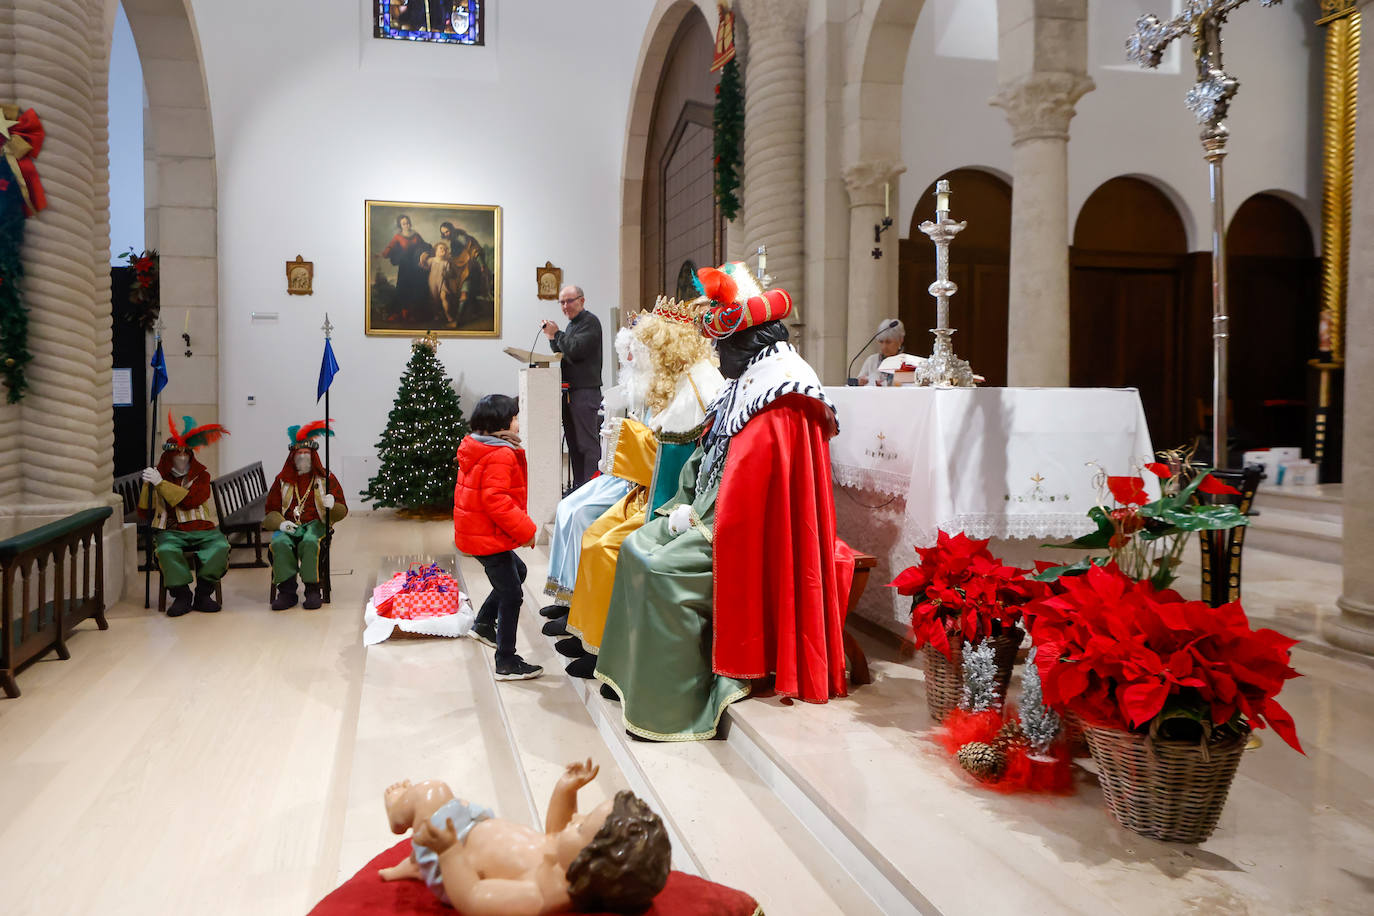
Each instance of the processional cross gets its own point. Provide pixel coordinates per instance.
(1208, 99)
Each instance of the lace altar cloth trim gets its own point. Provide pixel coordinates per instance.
(1011, 527)
(888, 483)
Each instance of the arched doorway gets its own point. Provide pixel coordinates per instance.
(979, 260)
(1274, 297)
(1128, 304)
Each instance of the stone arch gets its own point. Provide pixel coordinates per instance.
(874, 77)
(181, 198)
(663, 25)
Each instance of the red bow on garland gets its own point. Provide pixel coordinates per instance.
(22, 144)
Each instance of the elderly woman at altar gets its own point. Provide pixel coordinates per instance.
(889, 358)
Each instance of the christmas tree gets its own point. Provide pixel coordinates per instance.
(1040, 723)
(980, 671)
(421, 437)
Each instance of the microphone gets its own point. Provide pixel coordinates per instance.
(535, 341)
(851, 381)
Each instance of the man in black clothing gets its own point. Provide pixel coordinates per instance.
(580, 345)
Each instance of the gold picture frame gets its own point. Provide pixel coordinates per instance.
(300, 277)
(440, 273)
(549, 280)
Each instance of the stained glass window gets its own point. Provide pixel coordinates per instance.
(445, 21)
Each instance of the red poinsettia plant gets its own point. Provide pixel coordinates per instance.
(1145, 537)
(961, 590)
(1120, 653)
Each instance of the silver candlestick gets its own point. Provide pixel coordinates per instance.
(943, 369)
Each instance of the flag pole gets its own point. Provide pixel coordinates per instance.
(157, 390)
(328, 329)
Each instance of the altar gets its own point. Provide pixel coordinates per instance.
(1012, 464)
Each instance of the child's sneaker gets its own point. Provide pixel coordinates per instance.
(484, 633)
(517, 669)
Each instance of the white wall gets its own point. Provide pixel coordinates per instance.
(127, 99)
(312, 116)
(1135, 122)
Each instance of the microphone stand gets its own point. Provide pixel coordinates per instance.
(850, 380)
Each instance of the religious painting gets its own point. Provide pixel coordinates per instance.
(461, 22)
(433, 267)
(550, 280)
(300, 277)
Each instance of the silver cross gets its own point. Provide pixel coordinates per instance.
(1210, 96)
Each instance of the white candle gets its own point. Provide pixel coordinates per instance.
(887, 199)
(187, 327)
(942, 197)
(763, 261)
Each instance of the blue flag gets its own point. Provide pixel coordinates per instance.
(159, 365)
(329, 367)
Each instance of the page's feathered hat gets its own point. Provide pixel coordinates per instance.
(309, 435)
(734, 301)
(191, 436)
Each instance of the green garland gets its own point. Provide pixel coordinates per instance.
(729, 141)
(14, 318)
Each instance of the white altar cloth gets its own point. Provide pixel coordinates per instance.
(1001, 463)
(990, 462)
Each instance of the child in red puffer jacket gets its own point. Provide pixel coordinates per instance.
(490, 520)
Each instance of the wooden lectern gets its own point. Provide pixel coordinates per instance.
(541, 431)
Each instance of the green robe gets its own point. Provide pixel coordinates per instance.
(660, 603)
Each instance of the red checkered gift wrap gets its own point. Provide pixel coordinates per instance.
(415, 605)
(383, 594)
(419, 592)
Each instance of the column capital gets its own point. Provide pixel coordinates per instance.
(865, 180)
(770, 17)
(1042, 104)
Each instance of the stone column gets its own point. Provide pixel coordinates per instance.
(1039, 108)
(1042, 73)
(55, 59)
(872, 281)
(1354, 628)
(773, 195)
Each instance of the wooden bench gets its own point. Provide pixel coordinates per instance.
(240, 502)
(29, 628)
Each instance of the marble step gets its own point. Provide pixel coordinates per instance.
(1322, 501)
(1296, 533)
(726, 823)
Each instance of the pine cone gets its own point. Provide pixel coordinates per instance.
(1010, 735)
(982, 760)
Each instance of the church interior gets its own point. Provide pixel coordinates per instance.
(896, 450)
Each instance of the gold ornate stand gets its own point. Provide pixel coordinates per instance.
(1342, 22)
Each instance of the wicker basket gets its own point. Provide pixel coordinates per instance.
(945, 676)
(1169, 790)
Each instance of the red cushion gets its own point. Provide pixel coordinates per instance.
(366, 894)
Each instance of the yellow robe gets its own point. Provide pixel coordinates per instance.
(635, 451)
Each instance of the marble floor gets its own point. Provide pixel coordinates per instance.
(233, 763)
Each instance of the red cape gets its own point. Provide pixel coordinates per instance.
(780, 594)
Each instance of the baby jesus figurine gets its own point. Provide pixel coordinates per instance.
(616, 858)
